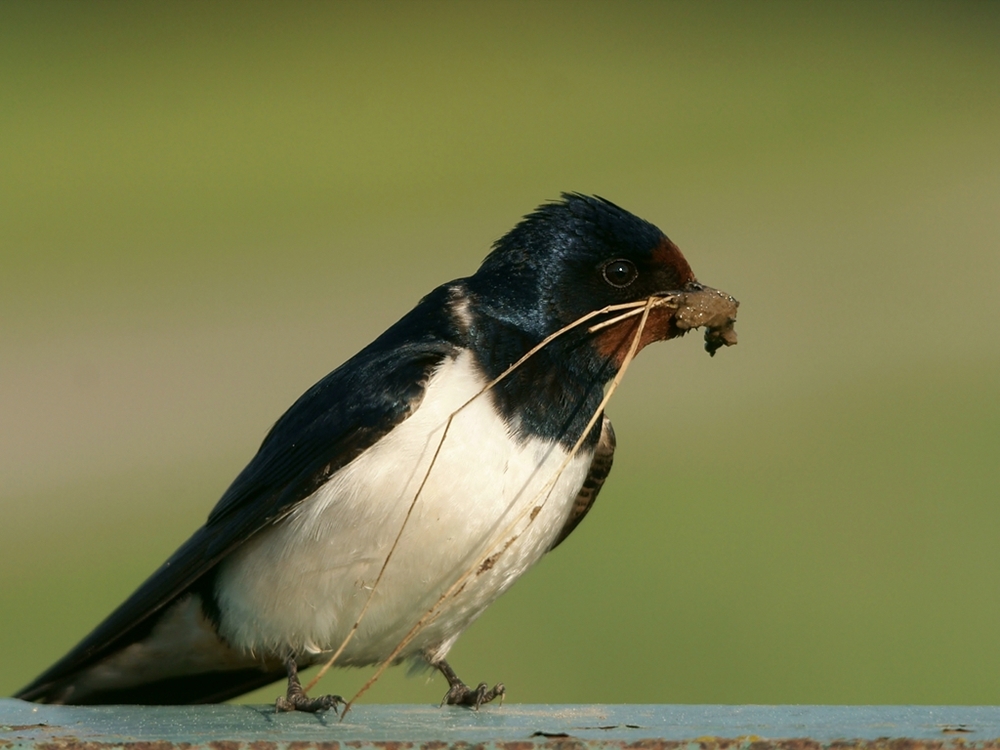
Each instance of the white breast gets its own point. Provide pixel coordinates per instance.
(489, 509)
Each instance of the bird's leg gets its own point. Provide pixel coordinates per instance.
(297, 700)
(460, 694)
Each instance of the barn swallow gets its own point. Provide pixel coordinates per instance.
(400, 455)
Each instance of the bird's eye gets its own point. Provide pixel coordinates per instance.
(620, 273)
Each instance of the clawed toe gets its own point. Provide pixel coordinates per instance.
(297, 700)
(302, 702)
(460, 694)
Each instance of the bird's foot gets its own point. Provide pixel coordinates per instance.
(301, 702)
(460, 694)
(295, 699)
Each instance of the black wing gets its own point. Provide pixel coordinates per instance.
(331, 424)
(600, 467)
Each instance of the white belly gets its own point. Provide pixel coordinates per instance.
(489, 509)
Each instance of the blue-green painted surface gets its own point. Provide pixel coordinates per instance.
(522, 726)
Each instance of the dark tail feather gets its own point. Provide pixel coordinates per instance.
(211, 687)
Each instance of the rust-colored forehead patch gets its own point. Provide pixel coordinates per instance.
(669, 255)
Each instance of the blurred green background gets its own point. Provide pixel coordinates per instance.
(206, 207)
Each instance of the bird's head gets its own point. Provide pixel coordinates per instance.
(580, 255)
